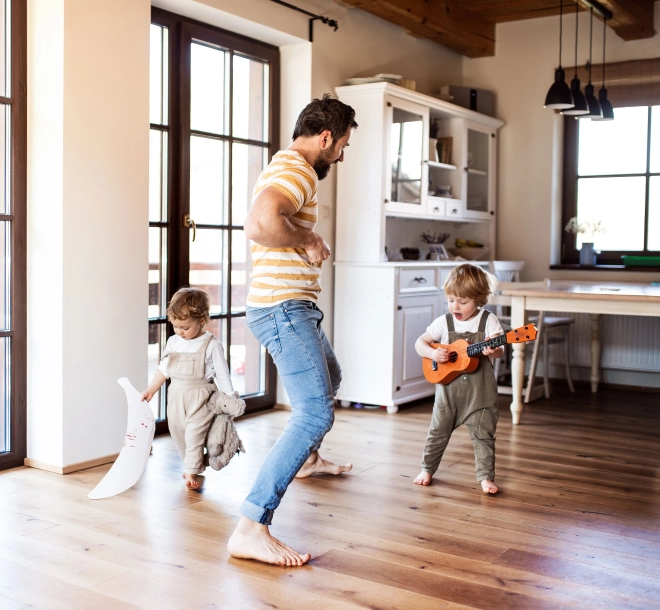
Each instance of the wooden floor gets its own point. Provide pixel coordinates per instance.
(575, 526)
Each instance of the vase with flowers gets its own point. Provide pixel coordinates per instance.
(587, 230)
(437, 251)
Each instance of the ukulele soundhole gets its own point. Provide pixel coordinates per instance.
(453, 357)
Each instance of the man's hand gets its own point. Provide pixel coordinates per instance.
(317, 250)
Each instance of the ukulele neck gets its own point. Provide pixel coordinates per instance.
(475, 349)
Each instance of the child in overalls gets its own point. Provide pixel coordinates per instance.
(471, 398)
(193, 359)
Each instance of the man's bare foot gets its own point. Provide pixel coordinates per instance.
(252, 540)
(191, 480)
(423, 478)
(489, 487)
(315, 464)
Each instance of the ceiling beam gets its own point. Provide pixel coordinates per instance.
(633, 19)
(444, 21)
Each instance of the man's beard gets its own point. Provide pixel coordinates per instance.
(323, 163)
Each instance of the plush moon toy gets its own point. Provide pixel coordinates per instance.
(132, 459)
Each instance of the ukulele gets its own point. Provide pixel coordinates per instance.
(464, 356)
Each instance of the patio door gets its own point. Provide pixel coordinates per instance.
(214, 129)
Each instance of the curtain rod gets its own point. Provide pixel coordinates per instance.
(313, 17)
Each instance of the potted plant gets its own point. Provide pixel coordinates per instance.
(588, 229)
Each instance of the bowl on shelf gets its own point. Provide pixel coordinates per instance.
(470, 254)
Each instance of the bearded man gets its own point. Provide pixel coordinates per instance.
(287, 255)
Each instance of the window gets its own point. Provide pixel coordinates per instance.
(214, 126)
(13, 184)
(612, 175)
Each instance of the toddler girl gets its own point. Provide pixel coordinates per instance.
(193, 359)
(471, 398)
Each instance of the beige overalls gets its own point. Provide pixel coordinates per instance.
(470, 399)
(188, 416)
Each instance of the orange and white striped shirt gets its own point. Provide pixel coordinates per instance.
(282, 274)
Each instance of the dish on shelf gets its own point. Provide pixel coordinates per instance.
(379, 78)
(470, 254)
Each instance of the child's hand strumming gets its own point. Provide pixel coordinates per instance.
(440, 355)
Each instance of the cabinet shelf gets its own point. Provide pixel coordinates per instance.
(476, 172)
(440, 165)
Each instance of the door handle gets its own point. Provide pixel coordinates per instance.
(421, 280)
(189, 223)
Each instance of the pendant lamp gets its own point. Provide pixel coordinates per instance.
(605, 104)
(559, 95)
(579, 101)
(594, 106)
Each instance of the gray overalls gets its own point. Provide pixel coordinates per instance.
(188, 415)
(470, 399)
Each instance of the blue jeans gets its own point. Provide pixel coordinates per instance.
(308, 367)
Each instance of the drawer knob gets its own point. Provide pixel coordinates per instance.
(421, 280)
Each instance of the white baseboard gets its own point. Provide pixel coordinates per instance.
(56, 468)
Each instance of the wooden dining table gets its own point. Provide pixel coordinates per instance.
(594, 298)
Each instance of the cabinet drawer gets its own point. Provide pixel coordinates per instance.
(453, 208)
(420, 279)
(436, 206)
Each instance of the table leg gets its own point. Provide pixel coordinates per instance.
(595, 351)
(517, 360)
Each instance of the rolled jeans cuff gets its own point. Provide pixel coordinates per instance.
(486, 477)
(257, 513)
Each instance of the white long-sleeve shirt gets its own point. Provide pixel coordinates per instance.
(216, 363)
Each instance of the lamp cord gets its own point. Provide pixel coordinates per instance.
(591, 32)
(576, 35)
(561, 12)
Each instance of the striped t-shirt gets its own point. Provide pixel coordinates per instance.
(282, 274)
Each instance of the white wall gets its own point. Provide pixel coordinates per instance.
(526, 55)
(88, 78)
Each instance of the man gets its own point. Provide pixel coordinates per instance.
(282, 314)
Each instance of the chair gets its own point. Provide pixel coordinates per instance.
(551, 329)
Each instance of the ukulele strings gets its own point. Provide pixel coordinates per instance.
(496, 342)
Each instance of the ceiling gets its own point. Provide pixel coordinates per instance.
(468, 26)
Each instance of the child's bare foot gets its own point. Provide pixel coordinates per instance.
(315, 464)
(423, 478)
(489, 487)
(252, 540)
(191, 480)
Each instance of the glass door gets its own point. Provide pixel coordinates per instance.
(479, 172)
(13, 182)
(224, 113)
(407, 151)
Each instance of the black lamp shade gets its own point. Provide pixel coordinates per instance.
(605, 105)
(595, 110)
(559, 95)
(580, 105)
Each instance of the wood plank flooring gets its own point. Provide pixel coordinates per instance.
(576, 524)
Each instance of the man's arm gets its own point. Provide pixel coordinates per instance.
(268, 224)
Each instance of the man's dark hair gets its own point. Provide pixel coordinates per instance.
(326, 113)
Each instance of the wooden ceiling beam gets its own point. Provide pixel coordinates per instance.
(633, 19)
(444, 21)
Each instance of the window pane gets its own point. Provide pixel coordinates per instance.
(157, 341)
(240, 269)
(208, 181)
(247, 163)
(248, 358)
(655, 140)
(209, 87)
(250, 120)
(157, 176)
(654, 214)
(614, 147)
(209, 266)
(5, 398)
(619, 203)
(218, 327)
(5, 266)
(157, 271)
(5, 45)
(5, 143)
(158, 82)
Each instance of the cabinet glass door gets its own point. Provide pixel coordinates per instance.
(408, 134)
(478, 168)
